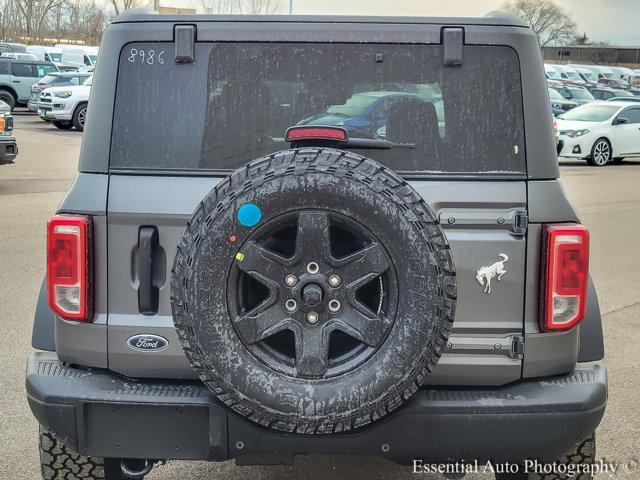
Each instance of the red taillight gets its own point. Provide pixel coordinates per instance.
(68, 266)
(566, 276)
(310, 132)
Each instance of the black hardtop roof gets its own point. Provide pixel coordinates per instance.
(494, 18)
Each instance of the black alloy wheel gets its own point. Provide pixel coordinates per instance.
(314, 295)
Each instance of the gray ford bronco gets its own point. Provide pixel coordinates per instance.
(296, 235)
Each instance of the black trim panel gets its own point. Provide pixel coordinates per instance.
(591, 337)
(42, 336)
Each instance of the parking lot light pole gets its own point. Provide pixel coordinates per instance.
(290, 7)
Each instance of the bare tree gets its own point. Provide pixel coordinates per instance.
(253, 7)
(33, 15)
(257, 7)
(219, 6)
(52, 21)
(120, 6)
(550, 22)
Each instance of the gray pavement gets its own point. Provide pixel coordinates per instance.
(607, 199)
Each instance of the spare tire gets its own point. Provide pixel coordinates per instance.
(313, 290)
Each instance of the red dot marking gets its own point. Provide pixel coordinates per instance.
(233, 238)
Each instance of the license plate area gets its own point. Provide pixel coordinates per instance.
(151, 431)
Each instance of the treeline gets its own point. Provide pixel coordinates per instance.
(83, 21)
(50, 21)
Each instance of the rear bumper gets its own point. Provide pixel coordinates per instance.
(103, 414)
(8, 149)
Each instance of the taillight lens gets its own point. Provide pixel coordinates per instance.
(566, 276)
(68, 266)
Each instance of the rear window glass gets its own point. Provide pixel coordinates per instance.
(236, 101)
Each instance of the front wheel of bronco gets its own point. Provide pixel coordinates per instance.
(58, 462)
(582, 455)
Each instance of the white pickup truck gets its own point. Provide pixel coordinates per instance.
(65, 107)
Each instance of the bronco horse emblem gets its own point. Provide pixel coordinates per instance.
(484, 274)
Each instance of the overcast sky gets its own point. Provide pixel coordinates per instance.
(615, 21)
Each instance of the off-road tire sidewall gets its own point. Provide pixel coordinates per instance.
(58, 462)
(358, 188)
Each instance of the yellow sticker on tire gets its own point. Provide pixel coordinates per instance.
(239, 256)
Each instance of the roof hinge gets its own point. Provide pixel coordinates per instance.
(185, 40)
(520, 222)
(517, 347)
(453, 40)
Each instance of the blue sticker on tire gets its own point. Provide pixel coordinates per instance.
(249, 215)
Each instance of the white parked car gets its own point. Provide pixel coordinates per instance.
(65, 107)
(600, 132)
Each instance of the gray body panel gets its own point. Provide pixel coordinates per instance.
(480, 346)
(482, 321)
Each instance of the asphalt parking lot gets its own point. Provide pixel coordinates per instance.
(607, 199)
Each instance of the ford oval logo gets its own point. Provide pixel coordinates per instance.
(147, 343)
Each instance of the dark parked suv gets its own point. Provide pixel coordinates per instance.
(227, 280)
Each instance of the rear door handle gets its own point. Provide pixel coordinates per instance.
(148, 271)
(15, 81)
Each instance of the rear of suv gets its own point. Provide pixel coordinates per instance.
(337, 236)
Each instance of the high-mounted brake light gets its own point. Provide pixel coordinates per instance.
(68, 266)
(312, 132)
(565, 276)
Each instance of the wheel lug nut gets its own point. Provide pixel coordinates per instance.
(334, 306)
(312, 318)
(313, 268)
(334, 280)
(291, 305)
(290, 280)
